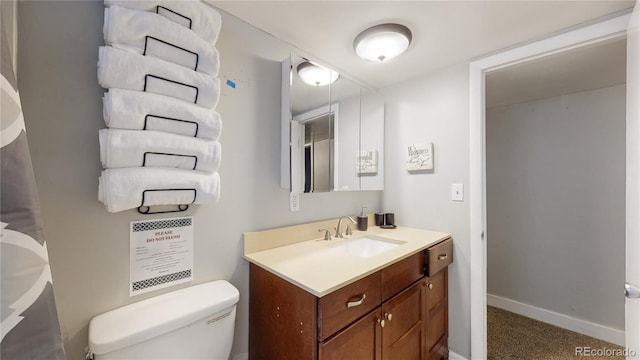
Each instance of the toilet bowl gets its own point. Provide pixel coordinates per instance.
(191, 323)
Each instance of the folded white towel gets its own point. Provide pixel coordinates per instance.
(137, 110)
(148, 34)
(124, 188)
(202, 19)
(132, 148)
(126, 70)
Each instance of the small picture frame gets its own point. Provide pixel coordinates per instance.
(367, 162)
(420, 156)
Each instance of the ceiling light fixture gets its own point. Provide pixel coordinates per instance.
(382, 42)
(316, 75)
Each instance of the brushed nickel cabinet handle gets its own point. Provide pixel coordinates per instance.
(388, 316)
(442, 257)
(351, 304)
(381, 322)
(430, 286)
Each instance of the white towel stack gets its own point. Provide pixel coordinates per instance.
(200, 18)
(160, 67)
(153, 35)
(136, 110)
(122, 189)
(123, 69)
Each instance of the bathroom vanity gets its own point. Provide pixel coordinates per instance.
(319, 299)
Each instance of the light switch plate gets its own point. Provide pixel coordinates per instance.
(294, 201)
(457, 192)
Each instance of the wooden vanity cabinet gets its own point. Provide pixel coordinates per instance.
(394, 313)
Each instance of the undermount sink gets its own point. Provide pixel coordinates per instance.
(366, 246)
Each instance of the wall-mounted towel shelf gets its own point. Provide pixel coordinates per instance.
(163, 83)
(161, 152)
(146, 209)
(147, 48)
(151, 116)
(149, 156)
(183, 20)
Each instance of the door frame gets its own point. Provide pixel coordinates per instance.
(605, 30)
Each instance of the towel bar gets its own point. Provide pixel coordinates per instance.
(146, 43)
(173, 18)
(146, 85)
(144, 159)
(151, 116)
(146, 209)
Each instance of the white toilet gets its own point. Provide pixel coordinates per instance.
(191, 323)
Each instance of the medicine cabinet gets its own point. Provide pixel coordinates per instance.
(332, 135)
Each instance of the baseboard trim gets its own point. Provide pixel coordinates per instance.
(456, 356)
(580, 326)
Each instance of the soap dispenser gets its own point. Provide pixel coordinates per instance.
(363, 220)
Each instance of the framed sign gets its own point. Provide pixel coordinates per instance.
(420, 156)
(161, 254)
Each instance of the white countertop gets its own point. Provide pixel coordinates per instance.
(320, 269)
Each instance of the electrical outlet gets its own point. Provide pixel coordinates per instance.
(294, 201)
(457, 192)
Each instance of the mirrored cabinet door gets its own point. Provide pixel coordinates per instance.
(322, 130)
(345, 96)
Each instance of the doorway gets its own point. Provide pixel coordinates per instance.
(555, 182)
(602, 31)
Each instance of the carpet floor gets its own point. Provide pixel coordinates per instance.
(512, 336)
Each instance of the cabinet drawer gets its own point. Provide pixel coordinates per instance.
(439, 256)
(398, 276)
(361, 340)
(343, 306)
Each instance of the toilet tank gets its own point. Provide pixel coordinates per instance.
(192, 323)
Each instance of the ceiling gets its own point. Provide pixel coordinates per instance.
(586, 68)
(444, 32)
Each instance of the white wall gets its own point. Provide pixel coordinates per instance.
(88, 247)
(556, 205)
(434, 108)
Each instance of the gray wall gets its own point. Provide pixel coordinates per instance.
(8, 21)
(556, 206)
(434, 108)
(88, 247)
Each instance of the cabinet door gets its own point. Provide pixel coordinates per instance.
(435, 315)
(403, 330)
(361, 340)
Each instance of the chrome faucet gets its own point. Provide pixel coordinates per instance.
(339, 228)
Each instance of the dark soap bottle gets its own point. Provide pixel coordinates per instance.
(363, 220)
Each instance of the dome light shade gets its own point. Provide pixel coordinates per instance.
(316, 75)
(382, 42)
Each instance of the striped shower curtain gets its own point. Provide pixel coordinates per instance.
(30, 328)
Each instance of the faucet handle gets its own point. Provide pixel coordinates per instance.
(327, 233)
(348, 232)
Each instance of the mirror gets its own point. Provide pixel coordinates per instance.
(322, 131)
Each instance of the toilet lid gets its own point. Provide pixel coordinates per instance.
(158, 315)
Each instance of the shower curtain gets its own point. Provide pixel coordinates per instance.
(30, 328)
